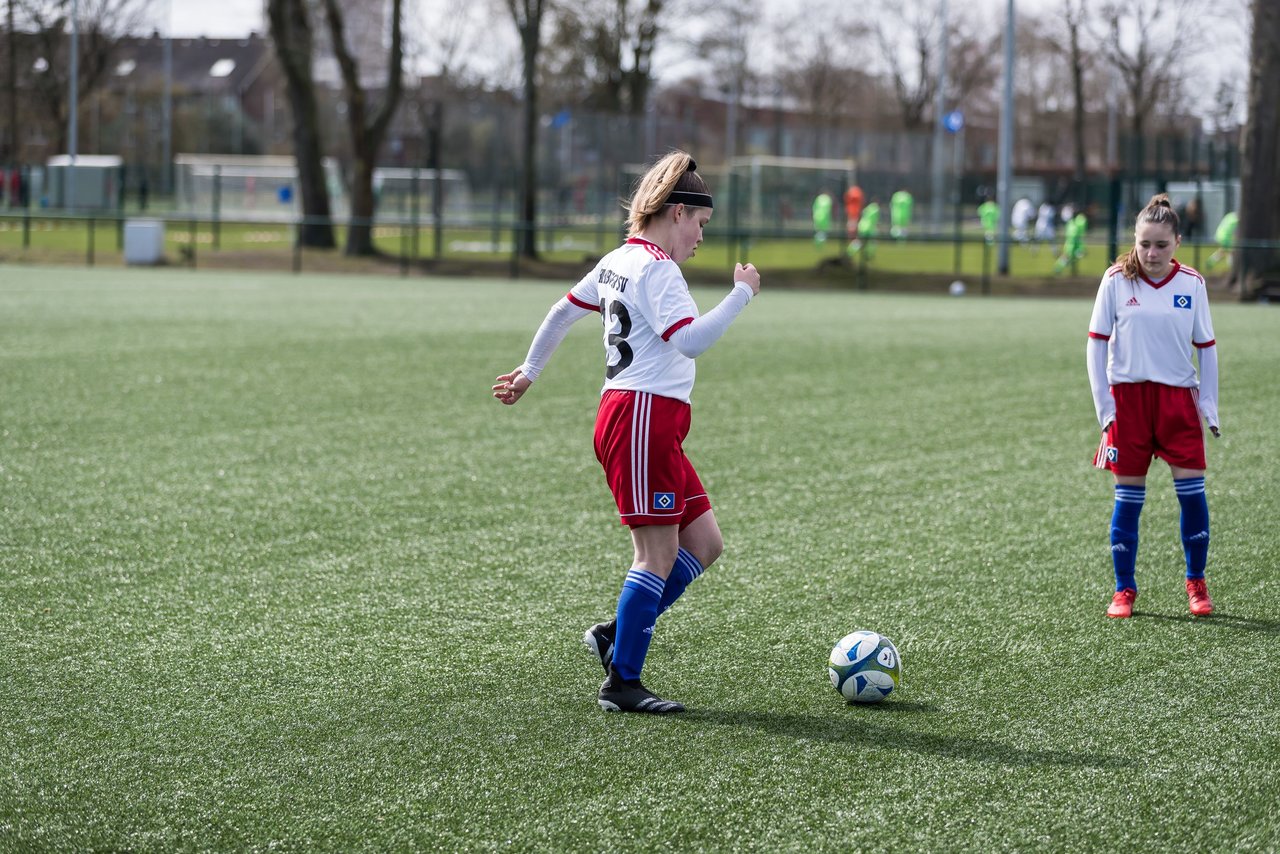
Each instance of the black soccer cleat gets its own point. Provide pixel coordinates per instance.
(599, 639)
(628, 695)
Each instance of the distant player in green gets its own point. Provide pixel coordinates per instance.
(989, 216)
(868, 227)
(901, 204)
(821, 218)
(1225, 237)
(1073, 245)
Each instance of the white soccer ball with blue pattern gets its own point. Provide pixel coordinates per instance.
(865, 667)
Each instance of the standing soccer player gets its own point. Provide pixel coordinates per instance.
(853, 200)
(1151, 314)
(1073, 243)
(652, 334)
(821, 217)
(1044, 222)
(1225, 237)
(901, 205)
(868, 230)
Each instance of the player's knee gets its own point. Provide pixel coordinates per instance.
(711, 548)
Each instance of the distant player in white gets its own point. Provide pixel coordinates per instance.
(1044, 222)
(1020, 218)
(652, 332)
(1150, 316)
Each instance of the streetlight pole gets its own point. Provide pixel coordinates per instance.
(1004, 178)
(166, 109)
(939, 133)
(73, 97)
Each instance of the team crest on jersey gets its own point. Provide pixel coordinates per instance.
(1113, 454)
(664, 501)
(1182, 301)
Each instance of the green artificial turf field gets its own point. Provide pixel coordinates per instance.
(278, 574)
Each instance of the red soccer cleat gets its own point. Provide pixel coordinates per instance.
(1122, 603)
(1198, 596)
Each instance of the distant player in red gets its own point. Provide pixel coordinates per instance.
(652, 333)
(853, 200)
(1150, 316)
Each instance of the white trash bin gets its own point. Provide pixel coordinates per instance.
(144, 241)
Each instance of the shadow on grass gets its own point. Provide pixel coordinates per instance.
(1218, 619)
(859, 728)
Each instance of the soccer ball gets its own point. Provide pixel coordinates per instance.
(864, 667)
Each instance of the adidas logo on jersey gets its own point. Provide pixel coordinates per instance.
(1133, 301)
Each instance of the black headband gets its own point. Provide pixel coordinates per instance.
(696, 200)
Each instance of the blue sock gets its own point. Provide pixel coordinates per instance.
(685, 572)
(1124, 533)
(637, 611)
(1194, 523)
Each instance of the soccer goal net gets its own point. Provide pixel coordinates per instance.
(250, 187)
(409, 194)
(764, 192)
(265, 188)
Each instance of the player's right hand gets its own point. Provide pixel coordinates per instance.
(749, 275)
(508, 388)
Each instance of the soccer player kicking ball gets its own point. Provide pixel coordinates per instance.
(652, 334)
(1150, 315)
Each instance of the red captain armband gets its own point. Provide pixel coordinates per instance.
(1208, 343)
(1103, 337)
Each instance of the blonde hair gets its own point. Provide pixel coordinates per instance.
(674, 173)
(1160, 211)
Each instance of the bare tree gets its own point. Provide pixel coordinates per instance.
(1074, 18)
(449, 39)
(820, 68)
(291, 33)
(1150, 44)
(527, 16)
(601, 52)
(1259, 202)
(908, 34)
(102, 25)
(727, 46)
(368, 132)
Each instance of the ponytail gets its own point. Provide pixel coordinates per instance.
(672, 180)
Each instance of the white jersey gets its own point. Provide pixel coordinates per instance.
(1044, 222)
(1151, 327)
(643, 299)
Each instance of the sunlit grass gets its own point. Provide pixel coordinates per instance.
(278, 573)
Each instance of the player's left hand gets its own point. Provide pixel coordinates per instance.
(508, 388)
(1213, 428)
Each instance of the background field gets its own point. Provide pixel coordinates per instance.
(270, 246)
(278, 574)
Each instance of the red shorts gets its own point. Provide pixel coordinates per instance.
(638, 441)
(1152, 420)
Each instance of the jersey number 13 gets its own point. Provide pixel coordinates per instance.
(617, 340)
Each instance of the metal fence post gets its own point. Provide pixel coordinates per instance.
(297, 245)
(217, 207)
